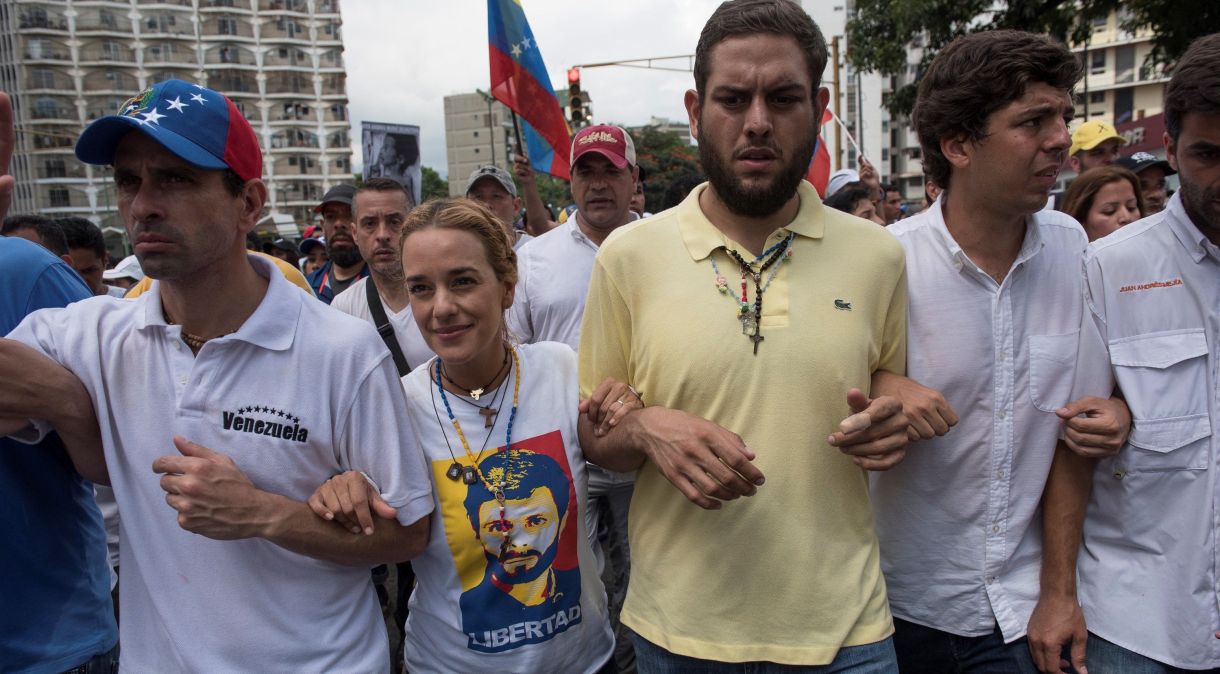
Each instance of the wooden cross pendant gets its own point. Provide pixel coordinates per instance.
(756, 338)
(489, 416)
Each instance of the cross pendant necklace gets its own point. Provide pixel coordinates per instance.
(489, 415)
(756, 338)
(751, 318)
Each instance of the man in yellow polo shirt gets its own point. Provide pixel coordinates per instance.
(752, 320)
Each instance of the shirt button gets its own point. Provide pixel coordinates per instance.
(999, 474)
(995, 529)
(1119, 474)
(1001, 415)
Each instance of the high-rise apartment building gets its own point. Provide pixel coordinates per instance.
(68, 62)
(477, 132)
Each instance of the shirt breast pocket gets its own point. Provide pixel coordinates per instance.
(1163, 377)
(1052, 361)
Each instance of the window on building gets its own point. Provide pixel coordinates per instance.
(58, 196)
(1097, 97)
(107, 20)
(1124, 64)
(42, 79)
(54, 168)
(1100, 23)
(1124, 105)
(112, 51)
(226, 25)
(1097, 63)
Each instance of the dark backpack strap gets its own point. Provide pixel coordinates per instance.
(384, 328)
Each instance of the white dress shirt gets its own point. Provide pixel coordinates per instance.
(553, 273)
(958, 518)
(1148, 563)
(354, 302)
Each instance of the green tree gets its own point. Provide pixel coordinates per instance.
(664, 157)
(432, 185)
(879, 33)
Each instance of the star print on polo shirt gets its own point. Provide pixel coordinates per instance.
(264, 420)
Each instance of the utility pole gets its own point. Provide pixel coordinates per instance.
(491, 130)
(834, 59)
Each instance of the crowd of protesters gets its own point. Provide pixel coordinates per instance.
(761, 430)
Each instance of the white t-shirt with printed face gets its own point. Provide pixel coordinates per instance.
(538, 605)
(194, 604)
(354, 302)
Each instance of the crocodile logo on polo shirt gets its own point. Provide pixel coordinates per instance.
(264, 420)
(843, 305)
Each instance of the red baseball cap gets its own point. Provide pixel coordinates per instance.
(611, 142)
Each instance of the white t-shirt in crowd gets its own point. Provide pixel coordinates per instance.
(354, 302)
(463, 617)
(194, 604)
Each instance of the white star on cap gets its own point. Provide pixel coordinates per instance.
(176, 104)
(198, 86)
(516, 50)
(198, 99)
(151, 117)
(527, 42)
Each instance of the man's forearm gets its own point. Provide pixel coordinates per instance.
(620, 450)
(1064, 503)
(293, 526)
(537, 217)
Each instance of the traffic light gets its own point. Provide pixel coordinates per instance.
(576, 99)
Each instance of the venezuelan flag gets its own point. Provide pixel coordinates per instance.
(519, 80)
(819, 166)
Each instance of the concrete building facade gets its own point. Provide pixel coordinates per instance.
(68, 62)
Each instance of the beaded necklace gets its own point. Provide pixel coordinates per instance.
(472, 473)
(751, 318)
(455, 472)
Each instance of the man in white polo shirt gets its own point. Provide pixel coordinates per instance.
(554, 271)
(1150, 562)
(959, 519)
(224, 568)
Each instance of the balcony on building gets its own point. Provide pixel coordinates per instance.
(326, 7)
(288, 57)
(230, 55)
(284, 28)
(290, 83)
(112, 79)
(297, 165)
(42, 18)
(167, 23)
(183, 74)
(329, 33)
(106, 51)
(98, 106)
(103, 20)
(45, 49)
(233, 83)
(227, 27)
(338, 139)
(331, 59)
(170, 53)
(48, 78)
(225, 5)
(292, 111)
(51, 139)
(298, 191)
(59, 167)
(294, 138)
(334, 84)
(62, 198)
(298, 6)
(250, 110)
(334, 113)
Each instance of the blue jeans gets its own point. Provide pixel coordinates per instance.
(875, 658)
(102, 663)
(924, 650)
(1106, 657)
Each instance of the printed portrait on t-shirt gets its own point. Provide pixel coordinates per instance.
(516, 559)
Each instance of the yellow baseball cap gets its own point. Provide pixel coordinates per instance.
(1091, 134)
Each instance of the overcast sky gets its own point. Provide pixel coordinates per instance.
(404, 56)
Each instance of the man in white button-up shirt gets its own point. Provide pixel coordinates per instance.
(1149, 580)
(995, 304)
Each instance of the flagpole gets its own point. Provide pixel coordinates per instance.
(850, 138)
(516, 130)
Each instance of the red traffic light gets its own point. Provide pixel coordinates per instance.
(573, 75)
